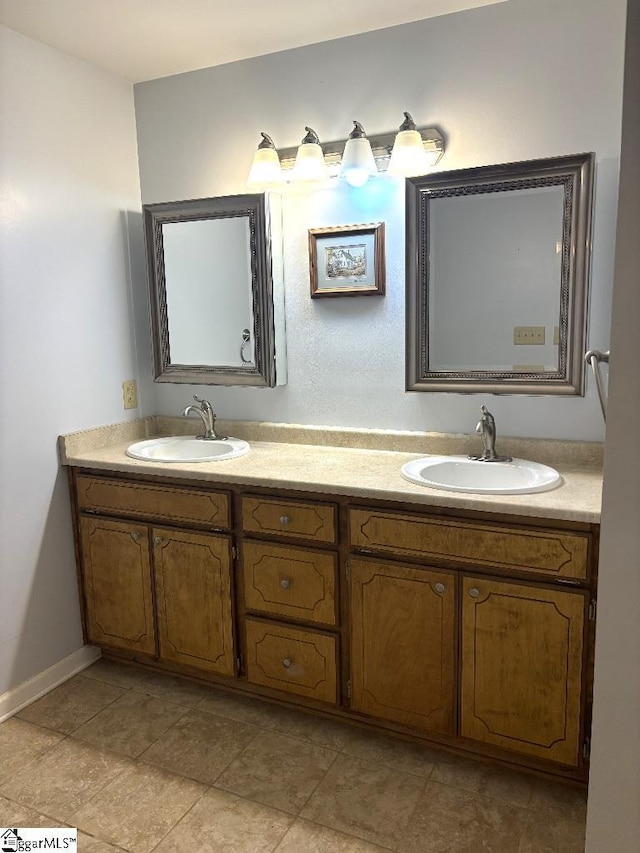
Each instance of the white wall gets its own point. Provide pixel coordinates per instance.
(614, 795)
(68, 171)
(508, 82)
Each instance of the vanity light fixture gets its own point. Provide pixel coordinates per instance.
(408, 152)
(265, 172)
(358, 164)
(309, 164)
(408, 157)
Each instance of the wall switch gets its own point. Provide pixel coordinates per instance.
(130, 393)
(556, 336)
(530, 335)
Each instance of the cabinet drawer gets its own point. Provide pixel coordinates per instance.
(292, 659)
(289, 581)
(166, 503)
(295, 519)
(553, 553)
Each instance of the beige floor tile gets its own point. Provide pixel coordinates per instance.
(64, 778)
(330, 733)
(72, 704)
(234, 706)
(139, 808)
(509, 786)
(200, 746)
(551, 833)
(277, 771)
(171, 688)
(87, 844)
(392, 752)
(365, 799)
(22, 742)
(131, 724)
(15, 814)
(457, 821)
(113, 672)
(223, 823)
(313, 838)
(560, 799)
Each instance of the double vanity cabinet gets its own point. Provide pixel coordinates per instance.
(471, 630)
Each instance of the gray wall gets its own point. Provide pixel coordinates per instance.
(508, 82)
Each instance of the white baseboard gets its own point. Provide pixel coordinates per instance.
(24, 694)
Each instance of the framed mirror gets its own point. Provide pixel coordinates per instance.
(216, 290)
(498, 263)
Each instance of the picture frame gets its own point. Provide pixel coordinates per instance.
(347, 260)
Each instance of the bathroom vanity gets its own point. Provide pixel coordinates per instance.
(317, 577)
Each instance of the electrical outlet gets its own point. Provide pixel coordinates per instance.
(130, 393)
(530, 335)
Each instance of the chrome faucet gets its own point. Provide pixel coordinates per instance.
(486, 428)
(205, 412)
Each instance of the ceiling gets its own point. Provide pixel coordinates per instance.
(144, 39)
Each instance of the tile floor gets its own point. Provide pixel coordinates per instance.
(142, 762)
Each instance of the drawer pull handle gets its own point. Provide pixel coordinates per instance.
(439, 588)
(157, 540)
(284, 520)
(285, 583)
(474, 593)
(135, 537)
(286, 663)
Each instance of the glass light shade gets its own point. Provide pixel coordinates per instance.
(357, 162)
(265, 172)
(408, 157)
(310, 165)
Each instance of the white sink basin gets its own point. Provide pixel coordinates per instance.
(461, 474)
(182, 448)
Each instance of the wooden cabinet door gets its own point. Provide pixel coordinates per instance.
(117, 584)
(403, 644)
(522, 654)
(193, 586)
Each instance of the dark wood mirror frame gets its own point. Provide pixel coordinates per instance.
(575, 174)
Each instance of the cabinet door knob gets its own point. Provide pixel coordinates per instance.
(439, 587)
(474, 593)
(285, 583)
(284, 519)
(135, 536)
(286, 663)
(157, 540)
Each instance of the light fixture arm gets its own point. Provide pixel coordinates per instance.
(311, 137)
(267, 141)
(408, 123)
(358, 131)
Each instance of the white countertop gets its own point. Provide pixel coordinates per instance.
(339, 470)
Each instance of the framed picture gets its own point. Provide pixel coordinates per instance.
(347, 260)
